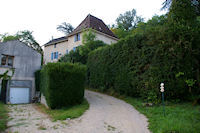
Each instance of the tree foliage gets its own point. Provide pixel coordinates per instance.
(24, 36)
(128, 20)
(195, 3)
(66, 28)
(125, 23)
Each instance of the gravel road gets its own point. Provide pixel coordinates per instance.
(105, 115)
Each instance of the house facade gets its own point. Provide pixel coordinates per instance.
(56, 48)
(20, 62)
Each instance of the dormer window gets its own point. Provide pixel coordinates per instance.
(77, 37)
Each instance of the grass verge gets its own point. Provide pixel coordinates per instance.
(64, 113)
(180, 117)
(3, 116)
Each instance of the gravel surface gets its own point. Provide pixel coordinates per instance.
(105, 115)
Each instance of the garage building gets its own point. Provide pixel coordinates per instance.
(20, 62)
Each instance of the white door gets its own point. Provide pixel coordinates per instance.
(19, 95)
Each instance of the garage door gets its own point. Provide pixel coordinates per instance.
(19, 95)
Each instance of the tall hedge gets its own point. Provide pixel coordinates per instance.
(136, 66)
(63, 84)
(165, 49)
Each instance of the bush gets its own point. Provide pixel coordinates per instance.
(63, 84)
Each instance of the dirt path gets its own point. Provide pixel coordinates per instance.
(106, 115)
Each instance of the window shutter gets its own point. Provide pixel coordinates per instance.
(51, 56)
(74, 38)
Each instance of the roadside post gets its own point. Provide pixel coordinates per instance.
(162, 91)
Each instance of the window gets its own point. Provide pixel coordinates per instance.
(10, 61)
(77, 37)
(7, 60)
(54, 45)
(3, 60)
(55, 55)
(67, 51)
(74, 49)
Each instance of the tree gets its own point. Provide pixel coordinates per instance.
(27, 37)
(184, 31)
(6, 37)
(66, 28)
(194, 3)
(128, 20)
(126, 23)
(23, 36)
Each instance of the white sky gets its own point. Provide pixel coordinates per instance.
(43, 16)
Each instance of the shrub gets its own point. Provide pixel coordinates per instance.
(63, 84)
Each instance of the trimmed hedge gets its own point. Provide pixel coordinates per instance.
(135, 67)
(63, 84)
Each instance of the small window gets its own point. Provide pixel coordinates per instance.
(7, 60)
(77, 37)
(67, 51)
(10, 61)
(74, 49)
(3, 60)
(54, 55)
(54, 45)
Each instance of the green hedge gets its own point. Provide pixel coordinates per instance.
(63, 84)
(136, 67)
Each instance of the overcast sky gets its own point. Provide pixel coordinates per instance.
(43, 16)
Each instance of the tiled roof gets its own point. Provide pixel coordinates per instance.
(89, 22)
(64, 38)
(93, 23)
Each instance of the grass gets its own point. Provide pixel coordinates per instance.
(64, 113)
(180, 117)
(3, 117)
